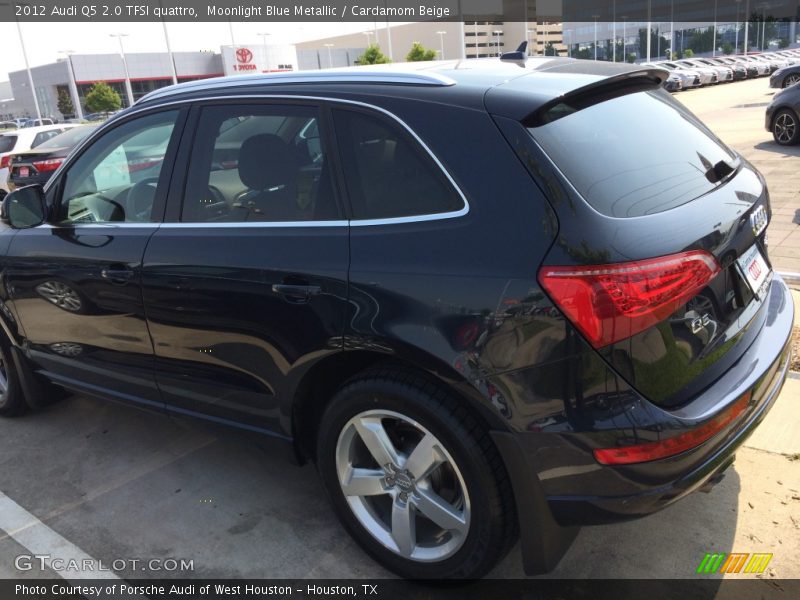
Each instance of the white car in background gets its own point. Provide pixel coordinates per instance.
(20, 140)
(689, 77)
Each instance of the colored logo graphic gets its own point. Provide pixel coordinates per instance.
(244, 55)
(719, 562)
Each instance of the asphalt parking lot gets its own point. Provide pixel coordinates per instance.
(87, 478)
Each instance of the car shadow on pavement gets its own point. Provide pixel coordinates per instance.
(777, 148)
(120, 483)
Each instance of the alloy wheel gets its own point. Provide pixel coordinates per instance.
(791, 80)
(403, 485)
(785, 127)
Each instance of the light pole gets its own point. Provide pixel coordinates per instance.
(528, 33)
(736, 48)
(746, 25)
(595, 17)
(128, 87)
(28, 69)
(263, 37)
(73, 86)
(497, 33)
(368, 33)
(169, 49)
(330, 57)
(714, 36)
(624, 39)
(441, 41)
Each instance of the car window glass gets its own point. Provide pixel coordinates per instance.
(68, 138)
(43, 136)
(258, 164)
(7, 142)
(639, 177)
(387, 173)
(117, 178)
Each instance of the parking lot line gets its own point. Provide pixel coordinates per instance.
(28, 531)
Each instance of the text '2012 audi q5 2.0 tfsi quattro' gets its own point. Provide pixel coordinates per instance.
(475, 294)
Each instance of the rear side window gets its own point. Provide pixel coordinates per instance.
(262, 163)
(7, 142)
(43, 136)
(635, 155)
(387, 173)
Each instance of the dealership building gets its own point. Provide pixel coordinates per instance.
(147, 71)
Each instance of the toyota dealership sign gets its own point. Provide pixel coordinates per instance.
(258, 58)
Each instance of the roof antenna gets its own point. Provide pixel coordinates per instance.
(518, 56)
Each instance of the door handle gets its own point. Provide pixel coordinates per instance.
(118, 274)
(296, 294)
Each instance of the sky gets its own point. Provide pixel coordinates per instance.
(43, 41)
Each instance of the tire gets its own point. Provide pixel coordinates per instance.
(785, 127)
(420, 430)
(791, 79)
(12, 400)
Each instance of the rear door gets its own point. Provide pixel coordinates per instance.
(246, 286)
(76, 281)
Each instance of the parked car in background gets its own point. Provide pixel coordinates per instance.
(751, 69)
(708, 76)
(785, 77)
(720, 74)
(20, 140)
(690, 78)
(8, 126)
(782, 117)
(38, 164)
(38, 122)
(764, 67)
(578, 324)
(739, 71)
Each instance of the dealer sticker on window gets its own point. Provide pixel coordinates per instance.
(755, 270)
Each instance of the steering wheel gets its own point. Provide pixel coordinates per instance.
(140, 198)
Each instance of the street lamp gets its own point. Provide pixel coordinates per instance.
(169, 48)
(595, 17)
(497, 33)
(73, 85)
(369, 42)
(441, 41)
(624, 39)
(263, 37)
(528, 33)
(738, 2)
(330, 57)
(128, 87)
(28, 69)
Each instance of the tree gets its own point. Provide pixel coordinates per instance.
(688, 53)
(727, 48)
(65, 104)
(372, 56)
(418, 53)
(783, 43)
(631, 58)
(550, 49)
(102, 98)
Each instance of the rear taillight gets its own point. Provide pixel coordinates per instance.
(51, 164)
(608, 303)
(637, 453)
(4, 161)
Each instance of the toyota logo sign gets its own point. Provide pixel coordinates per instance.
(244, 55)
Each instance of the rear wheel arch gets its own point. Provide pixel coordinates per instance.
(320, 384)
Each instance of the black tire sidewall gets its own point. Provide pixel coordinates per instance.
(12, 402)
(469, 560)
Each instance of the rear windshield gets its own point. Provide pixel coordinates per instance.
(635, 155)
(69, 138)
(7, 142)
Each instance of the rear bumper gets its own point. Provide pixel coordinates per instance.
(762, 370)
(585, 492)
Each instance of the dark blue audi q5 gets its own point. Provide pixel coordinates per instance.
(488, 299)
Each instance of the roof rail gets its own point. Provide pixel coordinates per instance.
(350, 75)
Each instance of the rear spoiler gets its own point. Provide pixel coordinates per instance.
(611, 87)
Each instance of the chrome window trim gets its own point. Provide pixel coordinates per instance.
(134, 110)
(327, 76)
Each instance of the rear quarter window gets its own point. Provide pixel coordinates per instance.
(635, 155)
(7, 143)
